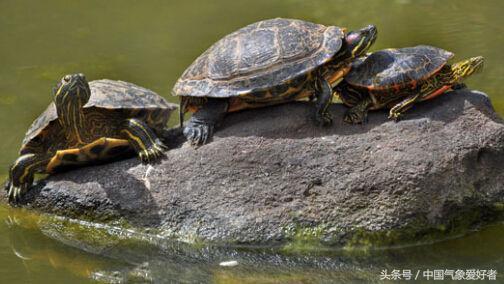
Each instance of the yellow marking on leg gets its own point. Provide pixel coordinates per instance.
(26, 156)
(136, 138)
(400, 107)
(335, 78)
(144, 130)
(25, 173)
(57, 160)
(27, 170)
(106, 142)
(84, 153)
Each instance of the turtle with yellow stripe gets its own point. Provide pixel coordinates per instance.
(88, 123)
(266, 63)
(399, 78)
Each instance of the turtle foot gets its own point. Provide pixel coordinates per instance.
(198, 133)
(323, 119)
(396, 116)
(353, 116)
(153, 153)
(16, 192)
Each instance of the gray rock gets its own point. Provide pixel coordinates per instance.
(271, 177)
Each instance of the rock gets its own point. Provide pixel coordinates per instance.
(271, 177)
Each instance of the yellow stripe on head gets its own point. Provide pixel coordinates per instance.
(354, 51)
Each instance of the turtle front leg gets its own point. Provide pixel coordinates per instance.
(145, 142)
(323, 100)
(359, 113)
(22, 172)
(199, 130)
(397, 110)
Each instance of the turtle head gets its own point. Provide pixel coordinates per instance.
(358, 42)
(70, 95)
(465, 68)
(72, 89)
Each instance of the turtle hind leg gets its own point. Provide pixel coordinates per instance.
(323, 100)
(358, 114)
(21, 174)
(143, 139)
(199, 130)
(397, 110)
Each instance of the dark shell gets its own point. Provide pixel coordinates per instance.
(107, 94)
(397, 68)
(123, 95)
(259, 56)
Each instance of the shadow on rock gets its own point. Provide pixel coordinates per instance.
(446, 108)
(99, 190)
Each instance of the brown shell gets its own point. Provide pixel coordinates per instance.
(259, 56)
(397, 68)
(107, 94)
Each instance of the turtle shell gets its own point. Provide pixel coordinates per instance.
(397, 68)
(106, 94)
(259, 56)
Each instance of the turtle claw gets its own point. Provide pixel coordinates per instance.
(396, 116)
(16, 192)
(153, 153)
(198, 134)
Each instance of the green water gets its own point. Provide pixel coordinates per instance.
(150, 43)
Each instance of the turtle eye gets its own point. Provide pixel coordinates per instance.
(67, 78)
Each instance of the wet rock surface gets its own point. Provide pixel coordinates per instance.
(271, 177)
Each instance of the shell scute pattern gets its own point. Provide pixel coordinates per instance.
(48, 116)
(258, 53)
(222, 61)
(108, 97)
(123, 95)
(296, 41)
(262, 55)
(272, 23)
(402, 68)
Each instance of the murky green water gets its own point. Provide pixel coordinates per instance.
(151, 42)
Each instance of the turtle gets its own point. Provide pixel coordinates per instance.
(398, 78)
(88, 123)
(266, 63)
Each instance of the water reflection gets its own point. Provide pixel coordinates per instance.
(115, 256)
(151, 43)
(30, 257)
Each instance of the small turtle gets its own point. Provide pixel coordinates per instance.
(398, 78)
(88, 123)
(269, 62)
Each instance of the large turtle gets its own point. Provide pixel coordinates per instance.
(398, 78)
(266, 63)
(87, 123)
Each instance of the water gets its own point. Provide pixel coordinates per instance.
(150, 43)
(30, 254)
